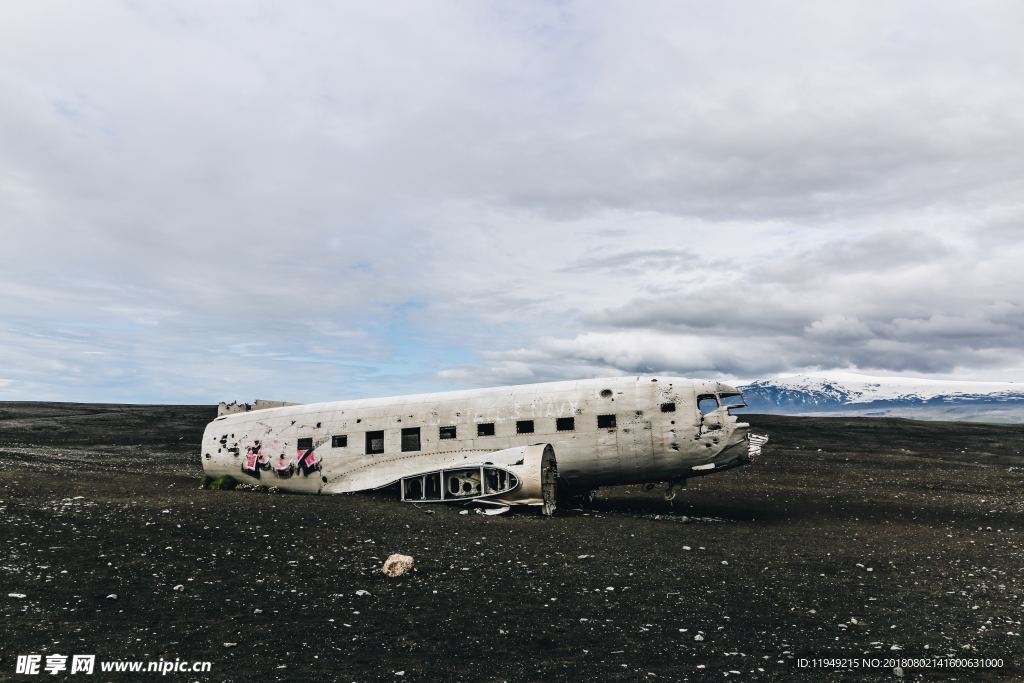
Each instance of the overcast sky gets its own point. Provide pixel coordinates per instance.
(205, 201)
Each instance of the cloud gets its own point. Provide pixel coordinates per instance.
(201, 202)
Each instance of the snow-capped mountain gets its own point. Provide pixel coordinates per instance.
(854, 394)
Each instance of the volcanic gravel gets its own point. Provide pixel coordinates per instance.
(860, 538)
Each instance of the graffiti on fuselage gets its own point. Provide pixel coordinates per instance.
(304, 461)
(255, 460)
(283, 467)
(308, 462)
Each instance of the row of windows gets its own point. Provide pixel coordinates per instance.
(411, 435)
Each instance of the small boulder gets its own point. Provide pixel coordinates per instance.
(396, 565)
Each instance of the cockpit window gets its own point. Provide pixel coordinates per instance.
(707, 404)
(732, 400)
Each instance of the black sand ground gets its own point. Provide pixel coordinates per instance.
(862, 537)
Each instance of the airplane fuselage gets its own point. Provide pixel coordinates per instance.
(603, 432)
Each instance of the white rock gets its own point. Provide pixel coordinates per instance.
(230, 644)
(112, 596)
(396, 564)
(179, 587)
(698, 637)
(362, 592)
(16, 595)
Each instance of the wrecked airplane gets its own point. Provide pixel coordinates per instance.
(516, 445)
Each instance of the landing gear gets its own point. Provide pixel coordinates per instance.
(673, 488)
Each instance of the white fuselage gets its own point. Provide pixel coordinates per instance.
(603, 431)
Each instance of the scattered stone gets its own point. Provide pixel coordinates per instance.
(16, 595)
(362, 592)
(112, 596)
(230, 644)
(179, 587)
(397, 564)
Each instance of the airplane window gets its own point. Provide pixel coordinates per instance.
(447, 432)
(668, 407)
(485, 429)
(565, 424)
(410, 439)
(374, 443)
(339, 441)
(732, 400)
(306, 443)
(606, 422)
(524, 427)
(707, 404)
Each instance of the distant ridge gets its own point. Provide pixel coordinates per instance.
(845, 393)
